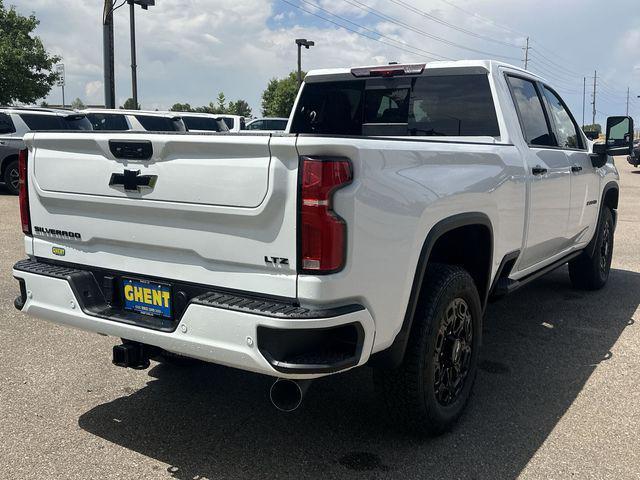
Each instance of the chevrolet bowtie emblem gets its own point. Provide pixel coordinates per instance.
(132, 181)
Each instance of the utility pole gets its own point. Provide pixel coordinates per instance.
(108, 55)
(628, 91)
(584, 97)
(595, 79)
(302, 42)
(526, 54)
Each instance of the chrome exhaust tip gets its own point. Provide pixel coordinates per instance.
(286, 395)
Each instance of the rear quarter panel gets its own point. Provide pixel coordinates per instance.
(401, 189)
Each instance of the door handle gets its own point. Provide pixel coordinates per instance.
(576, 168)
(538, 170)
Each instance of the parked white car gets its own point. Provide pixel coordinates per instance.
(271, 124)
(134, 120)
(16, 121)
(374, 231)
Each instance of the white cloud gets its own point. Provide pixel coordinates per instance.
(93, 91)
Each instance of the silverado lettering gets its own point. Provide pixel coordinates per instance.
(57, 233)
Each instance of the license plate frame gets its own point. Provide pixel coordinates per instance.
(144, 304)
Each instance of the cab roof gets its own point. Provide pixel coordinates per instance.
(473, 65)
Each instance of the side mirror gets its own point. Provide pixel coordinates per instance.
(619, 135)
(619, 140)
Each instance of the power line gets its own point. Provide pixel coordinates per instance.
(357, 32)
(451, 25)
(375, 32)
(384, 16)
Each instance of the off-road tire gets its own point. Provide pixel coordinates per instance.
(592, 272)
(409, 391)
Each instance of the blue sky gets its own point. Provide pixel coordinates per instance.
(189, 50)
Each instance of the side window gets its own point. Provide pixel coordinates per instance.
(566, 129)
(37, 122)
(108, 121)
(256, 125)
(6, 125)
(531, 112)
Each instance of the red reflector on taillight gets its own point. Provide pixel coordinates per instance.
(23, 191)
(323, 234)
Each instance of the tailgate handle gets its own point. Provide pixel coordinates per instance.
(131, 149)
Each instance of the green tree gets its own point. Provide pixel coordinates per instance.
(77, 104)
(596, 127)
(130, 105)
(280, 95)
(239, 107)
(222, 103)
(181, 107)
(25, 66)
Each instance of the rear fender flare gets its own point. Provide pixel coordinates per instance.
(392, 357)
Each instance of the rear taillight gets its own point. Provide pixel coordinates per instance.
(23, 191)
(322, 233)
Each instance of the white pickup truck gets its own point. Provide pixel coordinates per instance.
(399, 201)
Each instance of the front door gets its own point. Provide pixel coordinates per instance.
(585, 184)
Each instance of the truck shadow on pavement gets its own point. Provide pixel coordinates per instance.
(540, 346)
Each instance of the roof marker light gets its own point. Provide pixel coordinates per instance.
(389, 70)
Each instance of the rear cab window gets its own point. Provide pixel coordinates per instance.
(432, 105)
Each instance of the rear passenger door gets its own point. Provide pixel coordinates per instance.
(549, 176)
(585, 184)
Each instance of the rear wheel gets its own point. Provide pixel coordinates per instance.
(430, 390)
(12, 177)
(592, 272)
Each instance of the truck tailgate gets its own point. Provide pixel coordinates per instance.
(216, 207)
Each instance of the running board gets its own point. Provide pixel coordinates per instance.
(505, 286)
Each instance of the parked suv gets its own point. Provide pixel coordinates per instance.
(134, 120)
(16, 121)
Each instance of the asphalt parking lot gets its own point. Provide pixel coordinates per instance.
(558, 396)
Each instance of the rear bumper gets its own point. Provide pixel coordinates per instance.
(303, 344)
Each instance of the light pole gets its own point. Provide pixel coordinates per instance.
(108, 56)
(145, 4)
(302, 42)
